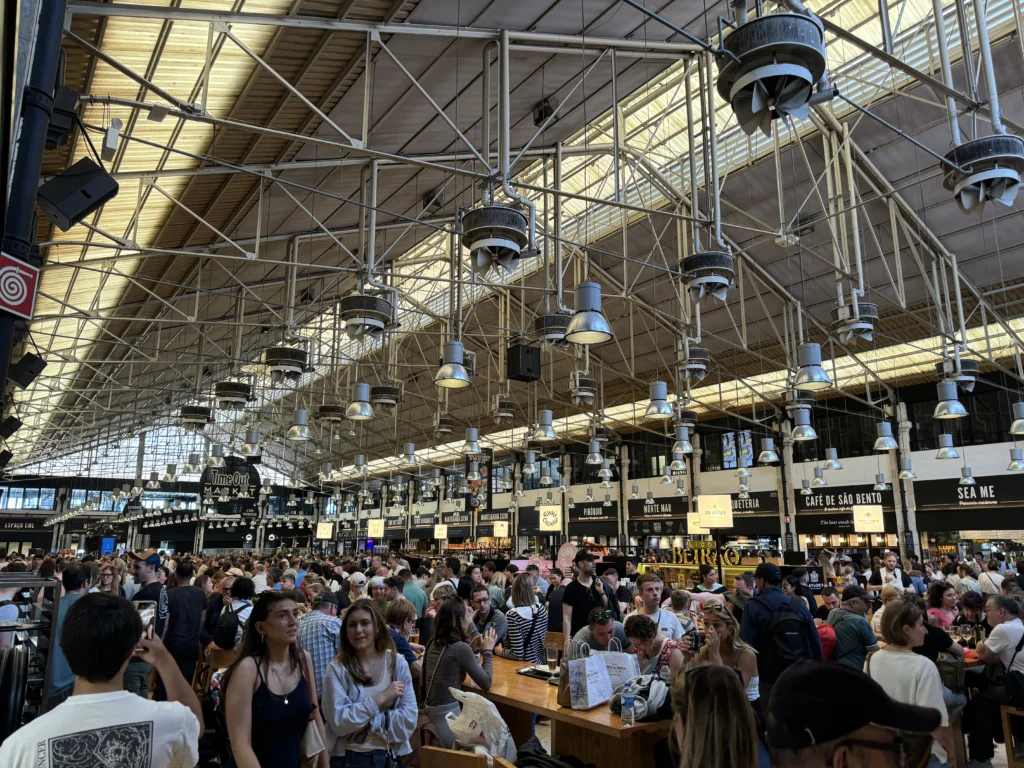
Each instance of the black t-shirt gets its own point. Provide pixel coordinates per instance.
(962, 621)
(949, 569)
(821, 612)
(187, 605)
(158, 595)
(935, 641)
(583, 600)
(555, 609)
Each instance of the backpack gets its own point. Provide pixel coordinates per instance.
(227, 627)
(784, 641)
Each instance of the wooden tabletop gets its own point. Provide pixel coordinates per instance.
(540, 697)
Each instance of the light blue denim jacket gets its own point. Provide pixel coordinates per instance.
(347, 710)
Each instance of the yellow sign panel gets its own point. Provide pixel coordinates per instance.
(325, 530)
(375, 529)
(501, 529)
(440, 531)
(550, 517)
(714, 511)
(693, 526)
(867, 518)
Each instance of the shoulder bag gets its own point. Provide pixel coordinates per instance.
(1013, 680)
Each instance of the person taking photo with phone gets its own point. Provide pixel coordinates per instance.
(146, 568)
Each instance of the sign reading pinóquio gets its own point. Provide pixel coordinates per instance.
(594, 512)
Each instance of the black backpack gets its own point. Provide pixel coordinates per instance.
(227, 627)
(784, 641)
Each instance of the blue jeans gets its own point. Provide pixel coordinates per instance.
(351, 759)
(934, 762)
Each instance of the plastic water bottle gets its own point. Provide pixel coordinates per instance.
(628, 701)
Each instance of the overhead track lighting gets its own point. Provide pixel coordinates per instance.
(588, 324)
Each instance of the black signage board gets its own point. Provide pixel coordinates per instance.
(668, 507)
(987, 492)
(758, 501)
(425, 521)
(236, 476)
(594, 512)
(529, 522)
(394, 522)
(995, 519)
(648, 527)
(842, 522)
(459, 532)
(457, 519)
(754, 525)
(493, 516)
(421, 533)
(479, 496)
(594, 529)
(20, 524)
(843, 498)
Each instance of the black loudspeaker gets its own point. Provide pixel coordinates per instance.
(5, 458)
(9, 426)
(523, 362)
(24, 372)
(62, 121)
(73, 194)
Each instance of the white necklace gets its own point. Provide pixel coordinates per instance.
(280, 682)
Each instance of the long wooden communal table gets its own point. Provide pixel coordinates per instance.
(594, 736)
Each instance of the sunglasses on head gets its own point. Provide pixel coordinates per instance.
(605, 614)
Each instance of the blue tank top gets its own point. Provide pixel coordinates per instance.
(278, 723)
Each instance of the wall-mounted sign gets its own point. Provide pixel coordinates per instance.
(671, 506)
(867, 518)
(485, 516)
(837, 523)
(993, 491)
(843, 499)
(501, 529)
(758, 501)
(987, 535)
(394, 522)
(440, 532)
(550, 517)
(529, 521)
(594, 512)
(714, 511)
(21, 525)
(235, 477)
(668, 527)
(424, 521)
(374, 529)
(693, 526)
(458, 518)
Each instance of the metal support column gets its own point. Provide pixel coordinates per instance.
(623, 484)
(912, 536)
(790, 539)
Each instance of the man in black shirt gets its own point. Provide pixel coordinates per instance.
(583, 594)
(146, 570)
(829, 601)
(187, 604)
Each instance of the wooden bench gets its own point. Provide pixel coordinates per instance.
(1007, 712)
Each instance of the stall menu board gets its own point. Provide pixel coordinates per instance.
(594, 512)
(661, 509)
(843, 499)
(992, 491)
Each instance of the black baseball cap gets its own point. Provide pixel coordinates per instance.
(583, 554)
(770, 573)
(801, 712)
(853, 591)
(326, 597)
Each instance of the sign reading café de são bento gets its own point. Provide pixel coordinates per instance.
(236, 476)
(844, 498)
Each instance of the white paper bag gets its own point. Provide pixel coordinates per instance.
(479, 724)
(589, 685)
(621, 666)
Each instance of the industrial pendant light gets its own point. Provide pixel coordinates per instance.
(359, 408)
(435, 477)
(880, 484)
(1016, 460)
(907, 473)
(745, 487)
(472, 445)
(216, 460)
(884, 441)
(636, 492)
(590, 495)
(810, 376)
(452, 374)
(666, 477)
(545, 432)
(607, 500)
(154, 481)
(545, 477)
(194, 464)
(678, 462)
(410, 455)
(741, 462)
(266, 489)
(966, 478)
(530, 463)
(819, 477)
(299, 430)
(946, 449)
(1017, 425)
(251, 446)
(474, 471)
(949, 405)
(605, 472)
(594, 457)
(802, 429)
(805, 487)
(768, 454)
(588, 325)
(171, 475)
(658, 409)
(682, 443)
(649, 501)
(359, 465)
(832, 459)
(681, 487)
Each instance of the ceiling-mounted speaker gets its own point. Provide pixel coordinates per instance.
(523, 362)
(5, 458)
(73, 194)
(24, 372)
(9, 426)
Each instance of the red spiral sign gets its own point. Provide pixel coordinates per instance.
(18, 283)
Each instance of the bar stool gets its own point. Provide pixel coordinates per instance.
(1007, 712)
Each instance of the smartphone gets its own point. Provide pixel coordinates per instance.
(147, 612)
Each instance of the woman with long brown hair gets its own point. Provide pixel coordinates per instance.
(712, 724)
(268, 693)
(368, 698)
(110, 580)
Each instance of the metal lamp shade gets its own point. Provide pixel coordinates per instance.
(594, 456)
(452, 374)
(768, 454)
(880, 484)
(251, 446)
(588, 325)
(1016, 460)
(810, 375)
(884, 441)
(946, 449)
(819, 477)
(1017, 425)
(545, 432)
(949, 405)
(802, 429)
(832, 459)
(907, 473)
(658, 409)
(682, 443)
(966, 477)
(299, 430)
(359, 408)
(472, 444)
(216, 459)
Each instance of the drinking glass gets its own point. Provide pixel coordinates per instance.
(552, 650)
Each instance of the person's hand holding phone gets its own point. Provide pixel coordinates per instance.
(153, 649)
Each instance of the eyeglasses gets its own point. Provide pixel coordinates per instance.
(602, 615)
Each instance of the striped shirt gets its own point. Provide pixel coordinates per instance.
(521, 643)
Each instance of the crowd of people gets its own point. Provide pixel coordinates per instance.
(349, 661)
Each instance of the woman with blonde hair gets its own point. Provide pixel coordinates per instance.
(888, 594)
(711, 724)
(110, 580)
(723, 647)
(828, 572)
(497, 590)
